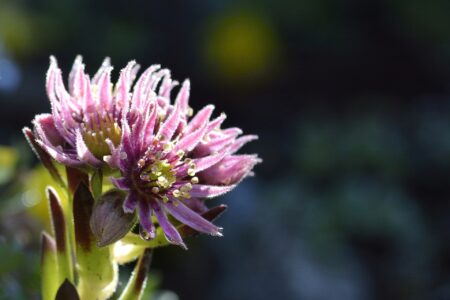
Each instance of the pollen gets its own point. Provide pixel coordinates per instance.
(158, 175)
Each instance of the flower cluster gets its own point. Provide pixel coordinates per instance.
(167, 159)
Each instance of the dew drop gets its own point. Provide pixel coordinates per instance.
(144, 234)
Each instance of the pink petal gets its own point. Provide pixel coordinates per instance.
(240, 142)
(169, 126)
(200, 118)
(171, 233)
(186, 216)
(183, 97)
(209, 191)
(84, 153)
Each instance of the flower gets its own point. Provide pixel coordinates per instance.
(170, 161)
(85, 123)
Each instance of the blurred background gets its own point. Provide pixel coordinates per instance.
(351, 100)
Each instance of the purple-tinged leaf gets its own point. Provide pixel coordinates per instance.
(75, 177)
(59, 226)
(82, 210)
(43, 156)
(109, 222)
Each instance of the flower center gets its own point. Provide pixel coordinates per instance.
(159, 175)
(95, 132)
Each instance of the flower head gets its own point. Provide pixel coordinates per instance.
(85, 121)
(170, 159)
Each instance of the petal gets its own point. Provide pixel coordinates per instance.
(58, 154)
(104, 86)
(145, 220)
(186, 216)
(106, 65)
(167, 86)
(139, 96)
(209, 191)
(171, 233)
(230, 170)
(182, 99)
(112, 160)
(76, 76)
(200, 118)
(46, 130)
(127, 149)
(170, 124)
(130, 203)
(196, 205)
(121, 183)
(191, 140)
(84, 153)
(240, 142)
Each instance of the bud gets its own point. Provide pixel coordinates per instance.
(109, 222)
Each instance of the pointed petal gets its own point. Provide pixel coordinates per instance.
(182, 99)
(231, 170)
(104, 86)
(169, 126)
(186, 216)
(106, 64)
(191, 140)
(84, 154)
(171, 233)
(200, 118)
(145, 220)
(240, 142)
(58, 155)
(130, 203)
(121, 183)
(209, 191)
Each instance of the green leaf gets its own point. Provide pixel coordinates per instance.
(97, 183)
(49, 268)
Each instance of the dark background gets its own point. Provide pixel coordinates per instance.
(351, 102)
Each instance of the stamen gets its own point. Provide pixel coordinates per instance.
(176, 193)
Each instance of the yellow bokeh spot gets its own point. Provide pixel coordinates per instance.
(241, 46)
(34, 197)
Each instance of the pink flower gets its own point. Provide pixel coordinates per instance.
(169, 159)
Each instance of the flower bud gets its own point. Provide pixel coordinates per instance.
(109, 222)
